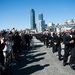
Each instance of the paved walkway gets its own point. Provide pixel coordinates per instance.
(40, 61)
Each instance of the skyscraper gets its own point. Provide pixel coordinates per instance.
(32, 19)
(40, 23)
(40, 16)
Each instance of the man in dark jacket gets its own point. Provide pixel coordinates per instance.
(27, 40)
(72, 53)
(59, 45)
(17, 45)
(44, 38)
(47, 40)
(54, 41)
(50, 40)
(68, 42)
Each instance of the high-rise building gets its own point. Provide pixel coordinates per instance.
(38, 26)
(40, 16)
(40, 23)
(32, 19)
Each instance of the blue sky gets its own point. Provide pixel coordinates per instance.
(16, 13)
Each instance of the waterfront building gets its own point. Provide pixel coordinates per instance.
(40, 16)
(40, 23)
(32, 19)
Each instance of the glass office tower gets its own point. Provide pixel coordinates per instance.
(32, 19)
(40, 16)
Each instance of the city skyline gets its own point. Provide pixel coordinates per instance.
(16, 13)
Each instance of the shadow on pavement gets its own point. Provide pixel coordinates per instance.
(36, 47)
(30, 70)
(26, 58)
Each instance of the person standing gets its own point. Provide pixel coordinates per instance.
(50, 40)
(59, 45)
(72, 53)
(27, 40)
(44, 38)
(54, 42)
(17, 43)
(2, 46)
(68, 42)
(47, 40)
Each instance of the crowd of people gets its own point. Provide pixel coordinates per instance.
(56, 40)
(11, 45)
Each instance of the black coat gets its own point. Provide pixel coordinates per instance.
(27, 38)
(1, 53)
(67, 38)
(57, 39)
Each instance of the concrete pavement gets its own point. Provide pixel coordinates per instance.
(40, 61)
